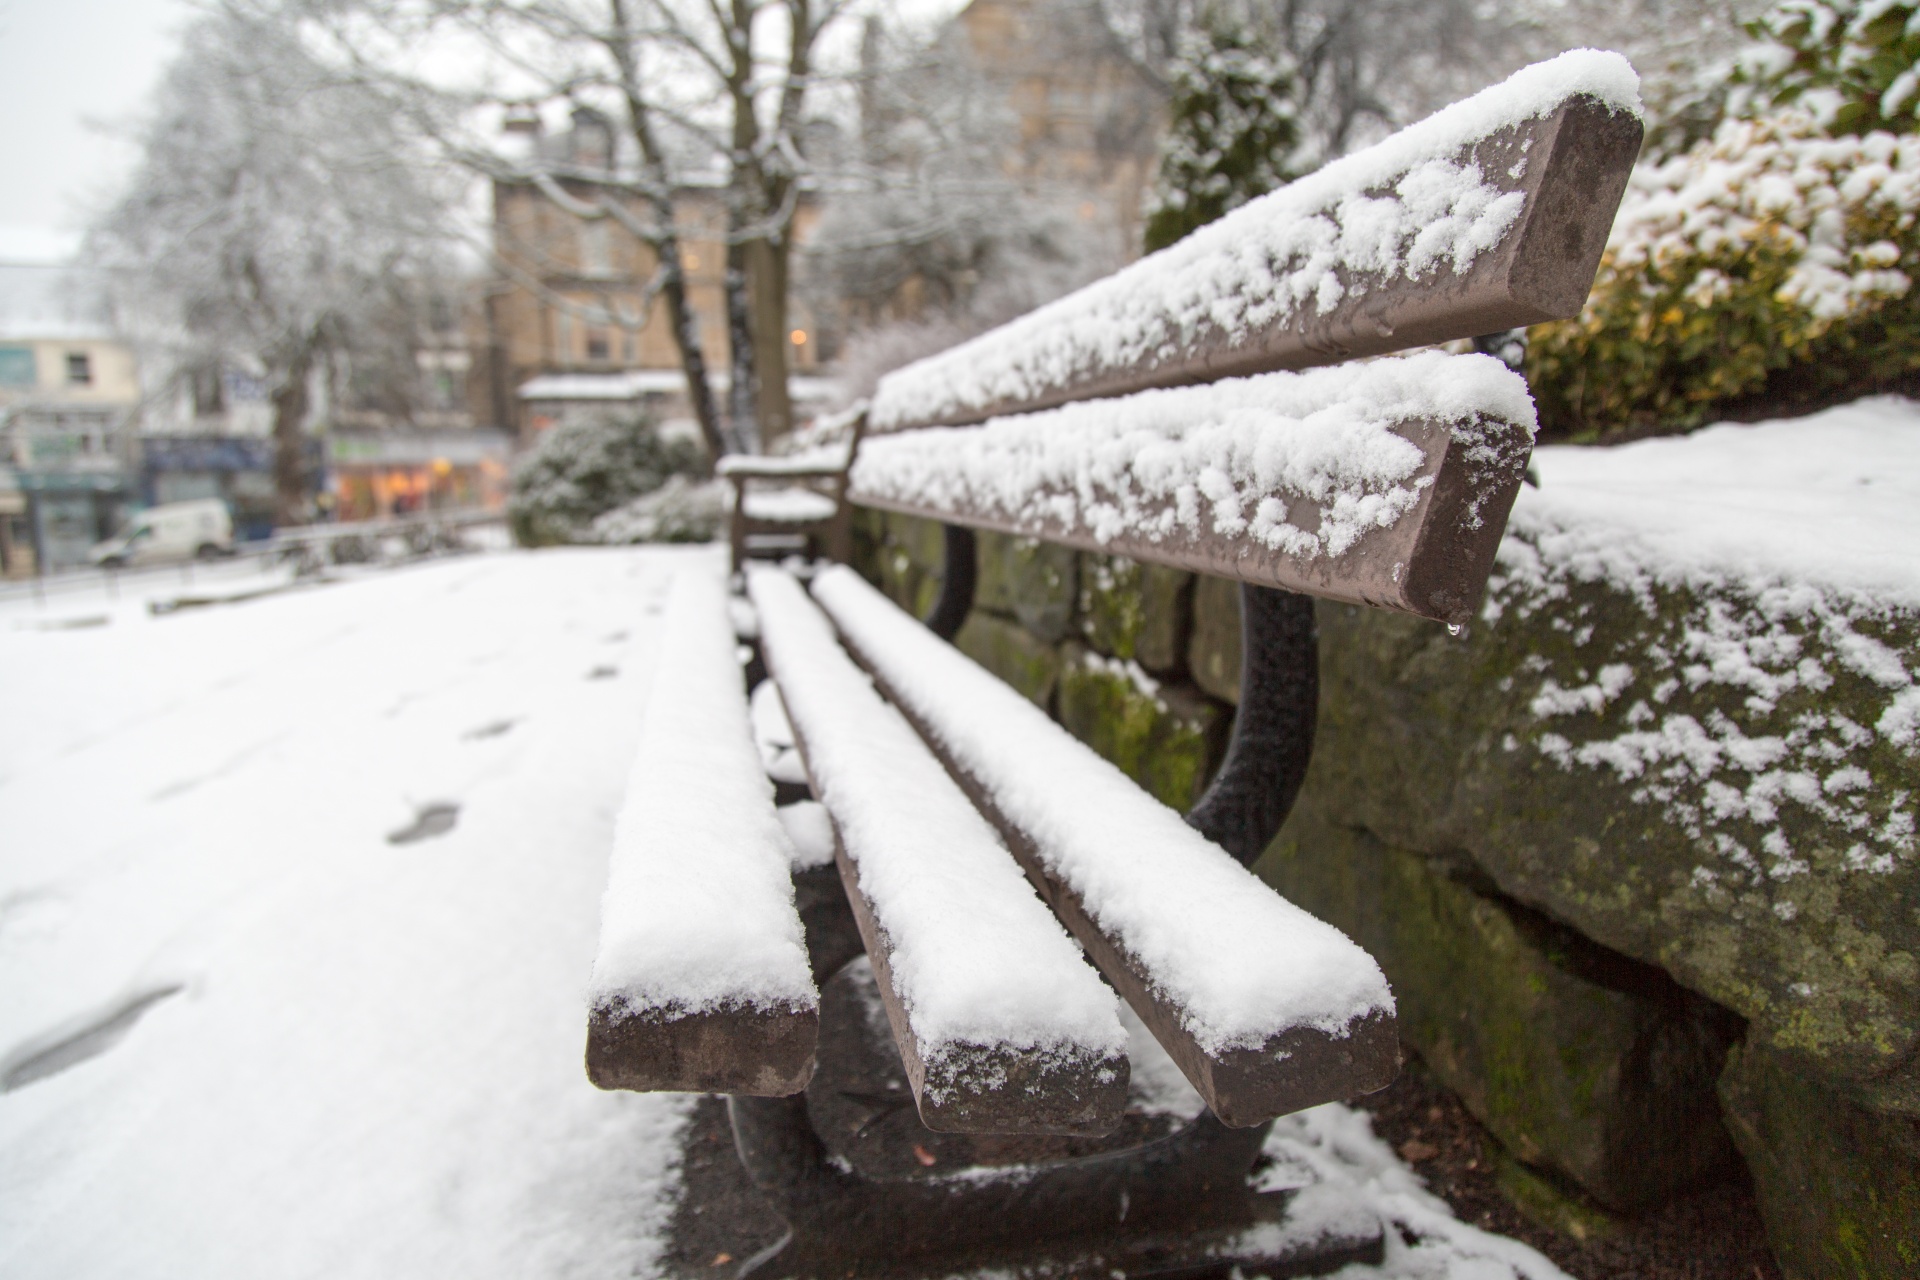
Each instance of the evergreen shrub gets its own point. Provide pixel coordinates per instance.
(579, 471)
(1232, 126)
(1767, 267)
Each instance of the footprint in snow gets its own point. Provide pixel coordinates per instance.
(603, 673)
(428, 821)
(73, 1044)
(491, 730)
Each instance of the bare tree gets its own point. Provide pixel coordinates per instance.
(697, 87)
(277, 219)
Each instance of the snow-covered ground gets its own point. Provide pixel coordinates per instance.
(370, 1062)
(263, 1013)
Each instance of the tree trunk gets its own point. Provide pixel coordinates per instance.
(743, 396)
(290, 402)
(686, 340)
(767, 279)
(673, 283)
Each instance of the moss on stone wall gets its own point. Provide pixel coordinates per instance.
(1579, 1062)
(1709, 783)
(1165, 739)
(1027, 580)
(1712, 785)
(1213, 647)
(1684, 822)
(1013, 653)
(1839, 1184)
(1135, 611)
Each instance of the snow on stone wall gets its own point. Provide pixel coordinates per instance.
(1768, 703)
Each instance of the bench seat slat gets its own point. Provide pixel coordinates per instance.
(1001, 1023)
(1266, 1009)
(701, 981)
(1489, 215)
(1383, 483)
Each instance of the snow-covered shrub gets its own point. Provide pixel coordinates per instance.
(1233, 124)
(1855, 66)
(1768, 258)
(1760, 263)
(681, 510)
(579, 471)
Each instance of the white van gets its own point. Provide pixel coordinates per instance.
(170, 532)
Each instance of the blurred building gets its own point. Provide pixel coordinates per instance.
(69, 405)
(1089, 118)
(574, 324)
(401, 424)
(423, 433)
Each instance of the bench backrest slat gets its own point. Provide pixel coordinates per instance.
(1384, 484)
(1489, 215)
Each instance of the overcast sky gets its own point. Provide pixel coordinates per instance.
(63, 62)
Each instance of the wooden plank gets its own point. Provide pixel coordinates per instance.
(1571, 166)
(764, 1051)
(1053, 476)
(1290, 1068)
(700, 980)
(898, 817)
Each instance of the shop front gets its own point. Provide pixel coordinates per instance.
(376, 474)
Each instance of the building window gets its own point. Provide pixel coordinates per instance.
(599, 350)
(79, 369)
(16, 367)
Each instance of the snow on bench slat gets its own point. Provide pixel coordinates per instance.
(1490, 214)
(701, 981)
(788, 506)
(1384, 482)
(1265, 1008)
(1003, 1025)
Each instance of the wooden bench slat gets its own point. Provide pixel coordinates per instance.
(1001, 1023)
(1266, 1009)
(701, 981)
(1385, 483)
(1489, 215)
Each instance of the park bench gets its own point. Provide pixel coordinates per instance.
(977, 850)
(791, 504)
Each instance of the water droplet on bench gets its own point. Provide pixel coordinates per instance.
(429, 821)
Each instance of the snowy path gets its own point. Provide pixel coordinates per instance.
(371, 1062)
(244, 1033)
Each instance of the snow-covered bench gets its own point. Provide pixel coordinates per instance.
(1150, 415)
(795, 503)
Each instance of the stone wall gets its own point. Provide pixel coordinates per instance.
(1640, 864)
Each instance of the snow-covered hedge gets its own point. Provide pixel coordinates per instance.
(580, 471)
(1771, 259)
(1771, 253)
(681, 510)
